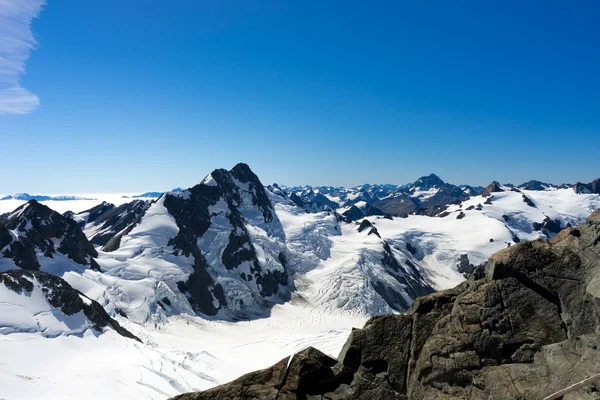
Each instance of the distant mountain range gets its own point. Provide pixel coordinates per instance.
(428, 195)
(27, 197)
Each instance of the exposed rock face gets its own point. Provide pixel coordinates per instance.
(400, 204)
(592, 187)
(62, 296)
(104, 221)
(212, 228)
(535, 185)
(309, 200)
(528, 201)
(447, 194)
(365, 224)
(523, 329)
(471, 190)
(193, 216)
(427, 182)
(549, 227)
(493, 187)
(34, 227)
(355, 213)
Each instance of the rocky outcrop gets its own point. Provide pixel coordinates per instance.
(355, 213)
(63, 297)
(309, 200)
(535, 185)
(366, 224)
(493, 187)
(427, 182)
(400, 204)
(548, 227)
(104, 221)
(447, 194)
(35, 228)
(592, 187)
(524, 328)
(528, 201)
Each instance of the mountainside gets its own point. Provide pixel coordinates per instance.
(45, 303)
(525, 328)
(34, 231)
(104, 221)
(592, 187)
(229, 247)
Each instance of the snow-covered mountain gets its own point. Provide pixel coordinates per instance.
(104, 221)
(33, 236)
(427, 195)
(295, 264)
(44, 303)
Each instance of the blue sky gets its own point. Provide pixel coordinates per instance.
(132, 96)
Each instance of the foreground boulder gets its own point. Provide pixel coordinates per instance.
(524, 328)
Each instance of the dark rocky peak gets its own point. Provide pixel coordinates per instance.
(35, 227)
(89, 215)
(525, 328)
(96, 212)
(493, 187)
(592, 187)
(63, 297)
(240, 181)
(325, 202)
(471, 190)
(548, 226)
(355, 213)
(427, 182)
(447, 194)
(104, 221)
(276, 189)
(580, 188)
(534, 185)
(192, 210)
(365, 224)
(398, 205)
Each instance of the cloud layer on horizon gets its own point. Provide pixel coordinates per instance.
(16, 44)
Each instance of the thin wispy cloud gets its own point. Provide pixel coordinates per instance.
(16, 43)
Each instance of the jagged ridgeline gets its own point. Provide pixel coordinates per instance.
(212, 220)
(524, 328)
(34, 230)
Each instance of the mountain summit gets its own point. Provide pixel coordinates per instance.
(431, 181)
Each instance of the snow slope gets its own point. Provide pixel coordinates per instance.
(186, 354)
